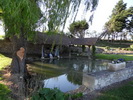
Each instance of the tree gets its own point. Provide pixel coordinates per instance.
(78, 28)
(119, 19)
(22, 17)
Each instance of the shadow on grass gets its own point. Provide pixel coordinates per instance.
(124, 92)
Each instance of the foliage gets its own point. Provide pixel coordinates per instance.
(115, 44)
(20, 17)
(77, 95)
(124, 92)
(128, 49)
(114, 56)
(78, 28)
(24, 14)
(54, 94)
(0, 14)
(4, 91)
(107, 47)
(49, 94)
(56, 12)
(120, 19)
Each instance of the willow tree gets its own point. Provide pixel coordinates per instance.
(22, 17)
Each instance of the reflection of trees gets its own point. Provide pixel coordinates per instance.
(96, 65)
(73, 67)
(75, 77)
(91, 66)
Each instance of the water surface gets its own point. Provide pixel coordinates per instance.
(66, 74)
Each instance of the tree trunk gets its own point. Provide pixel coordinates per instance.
(18, 65)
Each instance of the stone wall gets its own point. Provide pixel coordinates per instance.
(32, 49)
(105, 78)
(7, 47)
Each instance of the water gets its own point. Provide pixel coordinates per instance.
(66, 74)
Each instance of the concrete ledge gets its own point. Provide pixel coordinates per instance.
(117, 66)
(105, 78)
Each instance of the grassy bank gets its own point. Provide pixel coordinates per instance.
(4, 90)
(4, 61)
(2, 37)
(114, 56)
(115, 44)
(124, 92)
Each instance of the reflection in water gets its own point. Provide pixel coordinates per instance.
(66, 74)
(75, 77)
(61, 83)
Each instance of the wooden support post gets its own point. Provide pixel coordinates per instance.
(69, 51)
(42, 52)
(89, 52)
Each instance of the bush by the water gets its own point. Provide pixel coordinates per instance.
(107, 47)
(53, 94)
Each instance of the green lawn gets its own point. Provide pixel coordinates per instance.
(124, 92)
(2, 37)
(4, 90)
(116, 44)
(4, 61)
(128, 57)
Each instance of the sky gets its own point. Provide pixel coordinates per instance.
(101, 15)
(1, 29)
(103, 11)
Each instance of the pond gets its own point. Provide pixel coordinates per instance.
(66, 74)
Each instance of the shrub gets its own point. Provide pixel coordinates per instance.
(129, 49)
(49, 94)
(53, 94)
(107, 47)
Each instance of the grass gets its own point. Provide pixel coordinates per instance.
(124, 92)
(2, 37)
(116, 44)
(4, 61)
(4, 90)
(114, 56)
